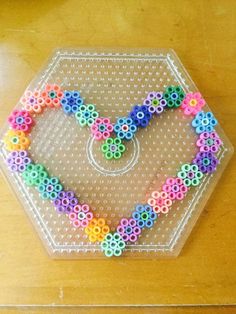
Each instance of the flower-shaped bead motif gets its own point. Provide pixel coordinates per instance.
(190, 174)
(192, 103)
(33, 101)
(113, 245)
(113, 148)
(209, 142)
(129, 230)
(144, 215)
(20, 120)
(16, 140)
(102, 128)
(49, 188)
(86, 115)
(206, 162)
(174, 96)
(65, 202)
(81, 215)
(125, 128)
(204, 122)
(175, 188)
(71, 102)
(52, 95)
(160, 202)
(97, 229)
(34, 174)
(155, 102)
(140, 116)
(18, 160)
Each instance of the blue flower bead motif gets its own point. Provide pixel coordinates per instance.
(144, 215)
(140, 116)
(71, 102)
(204, 122)
(125, 128)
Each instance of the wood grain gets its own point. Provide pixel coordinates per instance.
(203, 35)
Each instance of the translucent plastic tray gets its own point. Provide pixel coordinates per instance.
(114, 81)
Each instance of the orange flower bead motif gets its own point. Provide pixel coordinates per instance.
(52, 95)
(16, 140)
(97, 229)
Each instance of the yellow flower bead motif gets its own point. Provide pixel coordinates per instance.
(16, 140)
(97, 229)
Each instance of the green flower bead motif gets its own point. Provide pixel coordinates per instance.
(190, 174)
(174, 95)
(34, 174)
(113, 245)
(86, 115)
(49, 188)
(113, 148)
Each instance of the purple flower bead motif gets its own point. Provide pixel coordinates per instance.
(209, 142)
(18, 160)
(206, 162)
(65, 202)
(129, 230)
(155, 102)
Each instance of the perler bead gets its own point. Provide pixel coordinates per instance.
(144, 215)
(140, 116)
(206, 161)
(125, 128)
(49, 188)
(175, 188)
(65, 202)
(20, 120)
(52, 95)
(209, 142)
(113, 245)
(190, 174)
(204, 122)
(101, 128)
(129, 230)
(34, 174)
(86, 115)
(71, 101)
(160, 202)
(113, 148)
(16, 140)
(192, 103)
(18, 160)
(33, 102)
(81, 215)
(174, 96)
(97, 229)
(155, 102)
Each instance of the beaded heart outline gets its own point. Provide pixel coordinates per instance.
(114, 136)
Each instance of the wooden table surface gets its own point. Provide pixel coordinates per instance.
(203, 34)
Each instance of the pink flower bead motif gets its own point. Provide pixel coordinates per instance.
(20, 120)
(81, 215)
(209, 142)
(192, 103)
(175, 188)
(160, 202)
(102, 128)
(33, 102)
(52, 95)
(129, 230)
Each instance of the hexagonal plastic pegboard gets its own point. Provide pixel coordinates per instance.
(114, 81)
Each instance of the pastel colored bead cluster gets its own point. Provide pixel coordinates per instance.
(65, 202)
(81, 216)
(155, 102)
(113, 245)
(97, 229)
(113, 135)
